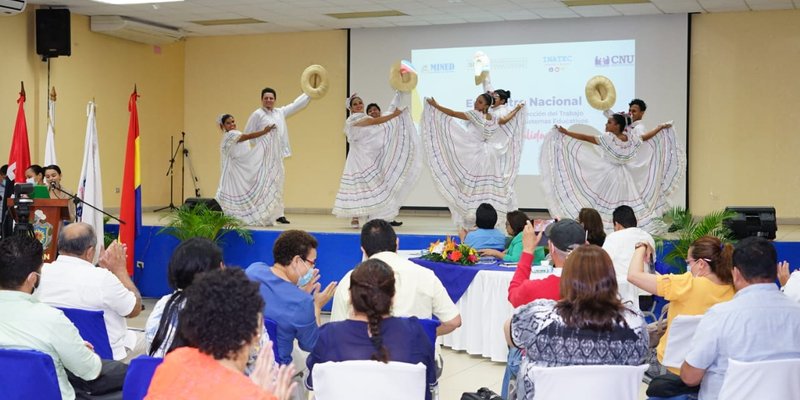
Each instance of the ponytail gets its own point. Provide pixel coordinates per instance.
(167, 325)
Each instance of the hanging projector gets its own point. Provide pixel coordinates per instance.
(12, 7)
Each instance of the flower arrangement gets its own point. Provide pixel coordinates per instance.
(451, 252)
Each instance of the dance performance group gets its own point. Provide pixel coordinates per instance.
(473, 155)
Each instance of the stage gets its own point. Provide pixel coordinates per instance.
(339, 248)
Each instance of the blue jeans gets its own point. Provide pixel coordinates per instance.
(512, 369)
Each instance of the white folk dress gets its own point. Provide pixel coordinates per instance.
(382, 167)
(248, 187)
(640, 174)
(473, 163)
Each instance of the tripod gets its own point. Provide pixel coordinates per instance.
(171, 170)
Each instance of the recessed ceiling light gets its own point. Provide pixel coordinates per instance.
(128, 2)
(367, 14)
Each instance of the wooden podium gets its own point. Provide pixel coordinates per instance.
(46, 229)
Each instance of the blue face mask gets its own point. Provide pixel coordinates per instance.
(306, 278)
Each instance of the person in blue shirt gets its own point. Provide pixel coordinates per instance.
(485, 236)
(292, 293)
(371, 333)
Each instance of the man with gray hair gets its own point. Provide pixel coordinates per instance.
(72, 281)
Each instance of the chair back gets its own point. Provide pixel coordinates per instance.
(775, 379)
(368, 380)
(137, 379)
(430, 325)
(271, 326)
(597, 382)
(92, 328)
(27, 374)
(679, 340)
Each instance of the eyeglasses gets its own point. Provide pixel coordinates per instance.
(312, 262)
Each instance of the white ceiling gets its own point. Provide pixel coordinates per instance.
(309, 15)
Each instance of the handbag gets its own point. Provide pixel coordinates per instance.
(482, 394)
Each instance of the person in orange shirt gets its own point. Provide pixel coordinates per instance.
(218, 326)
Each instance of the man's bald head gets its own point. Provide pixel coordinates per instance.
(76, 238)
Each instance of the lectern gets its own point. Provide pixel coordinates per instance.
(46, 216)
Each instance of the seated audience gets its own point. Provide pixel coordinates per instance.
(293, 296)
(707, 282)
(35, 175)
(72, 281)
(371, 333)
(790, 282)
(190, 258)
(564, 236)
(419, 293)
(593, 224)
(220, 323)
(29, 324)
(620, 245)
(485, 236)
(759, 324)
(580, 328)
(515, 223)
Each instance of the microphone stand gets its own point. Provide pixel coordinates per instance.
(77, 200)
(171, 171)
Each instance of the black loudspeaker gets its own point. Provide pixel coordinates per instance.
(53, 33)
(752, 221)
(212, 204)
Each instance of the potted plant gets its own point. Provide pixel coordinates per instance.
(684, 229)
(200, 221)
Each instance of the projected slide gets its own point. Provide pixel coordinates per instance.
(550, 78)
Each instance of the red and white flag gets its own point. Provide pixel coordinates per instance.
(20, 158)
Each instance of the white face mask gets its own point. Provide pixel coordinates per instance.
(30, 180)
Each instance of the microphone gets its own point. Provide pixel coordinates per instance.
(54, 185)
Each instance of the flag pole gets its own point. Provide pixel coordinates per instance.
(22, 88)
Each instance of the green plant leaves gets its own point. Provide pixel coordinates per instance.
(200, 221)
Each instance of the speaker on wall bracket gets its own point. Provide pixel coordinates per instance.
(53, 36)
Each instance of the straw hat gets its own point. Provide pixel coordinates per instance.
(481, 64)
(314, 81)
(403, 76)
(600, 93)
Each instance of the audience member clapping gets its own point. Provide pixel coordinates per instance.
(583, 326)
(371, 333)
(220, 323)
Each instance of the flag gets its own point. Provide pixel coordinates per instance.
(90, 188)
(131, 203)
(20, 158)
(50, 144)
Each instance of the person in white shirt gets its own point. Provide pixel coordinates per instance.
(277, 142)
(419, 293)
(29, 324)
(620, 245)
(72, 281)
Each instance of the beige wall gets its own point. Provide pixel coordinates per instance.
(226, 74)
(106, 69)
(744, 89)
(744, 120)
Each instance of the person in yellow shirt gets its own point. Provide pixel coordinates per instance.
(708, 281)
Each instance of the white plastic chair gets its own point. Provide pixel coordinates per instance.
(775, 379)
(369, 380)
(679, 341)
(596, 382)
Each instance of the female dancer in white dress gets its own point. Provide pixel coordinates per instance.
(621, 167)
(382, 164)
(244, 184)
(476, 163)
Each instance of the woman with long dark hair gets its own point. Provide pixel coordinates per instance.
(580, 328)
(476, 162)
(593, 224)
(371, 333)
(192, 257)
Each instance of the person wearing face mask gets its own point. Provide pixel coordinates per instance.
(482, 167)
(52, 175)
(707, 281)
(382, 164)
(292, 295)
(35, 175)
(29, 324)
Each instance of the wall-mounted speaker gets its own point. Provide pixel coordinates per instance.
(53, 37)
